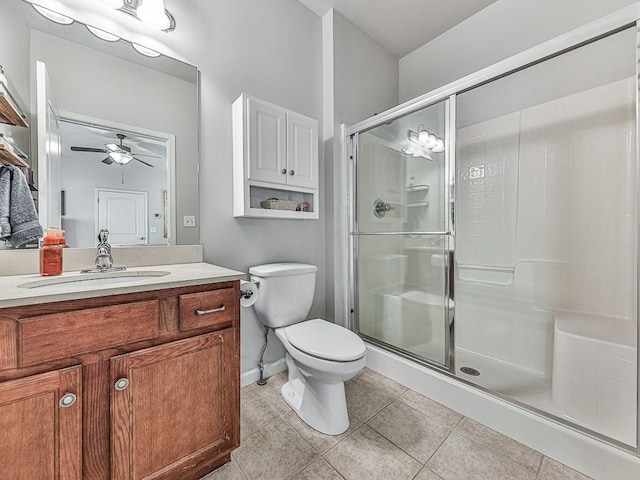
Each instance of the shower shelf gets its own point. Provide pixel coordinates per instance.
(417, 204)
(418, 188)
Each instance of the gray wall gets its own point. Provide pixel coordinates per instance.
(271, 49)
(365, 82)
(499, 31)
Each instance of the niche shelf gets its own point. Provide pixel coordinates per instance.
(10, 113)
(417, 204)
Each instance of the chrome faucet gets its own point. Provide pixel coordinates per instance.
(104, 260)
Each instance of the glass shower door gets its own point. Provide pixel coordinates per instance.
(401, 236)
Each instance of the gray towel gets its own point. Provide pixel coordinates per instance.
(5, 195)
(22, 216)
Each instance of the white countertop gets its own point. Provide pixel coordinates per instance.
(180, 275)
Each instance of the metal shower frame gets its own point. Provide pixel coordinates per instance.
(616, 22)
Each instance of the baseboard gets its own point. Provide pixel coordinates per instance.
(576, 450)
(252, 376)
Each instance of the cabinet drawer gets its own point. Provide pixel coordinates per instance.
(206, 309)
(61, 335)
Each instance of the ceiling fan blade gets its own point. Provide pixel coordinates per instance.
(142, 161)
(88, 149)
(145, 155)
(108, 160)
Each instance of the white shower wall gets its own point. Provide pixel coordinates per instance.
(546, 231)
(553, 199)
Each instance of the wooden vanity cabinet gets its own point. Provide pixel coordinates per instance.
(155, 377)
(41, 425)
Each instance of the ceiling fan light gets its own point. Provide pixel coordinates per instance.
(145, 51)
(53, 16)
(152, 12)
(121, 158)
(109, 37)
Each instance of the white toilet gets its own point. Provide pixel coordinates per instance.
(321, 356)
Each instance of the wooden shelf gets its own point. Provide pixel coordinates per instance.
(9, 111)
(8, 157)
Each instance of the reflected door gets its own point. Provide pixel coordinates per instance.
(124, 214)
(401, 235)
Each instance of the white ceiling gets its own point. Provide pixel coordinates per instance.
(401, 26)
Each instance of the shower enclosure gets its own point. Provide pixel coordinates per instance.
(493, 231)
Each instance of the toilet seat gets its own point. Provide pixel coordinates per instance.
(325, 340)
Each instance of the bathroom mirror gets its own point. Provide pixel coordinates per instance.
(132, 120)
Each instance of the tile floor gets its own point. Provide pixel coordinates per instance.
(395, 433)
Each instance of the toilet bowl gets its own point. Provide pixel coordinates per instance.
(320, 357)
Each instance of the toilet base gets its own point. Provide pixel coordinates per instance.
(321, 405)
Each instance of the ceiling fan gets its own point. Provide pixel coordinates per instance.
(120, 154)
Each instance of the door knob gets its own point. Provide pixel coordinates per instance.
(284, 170)
(292, 172)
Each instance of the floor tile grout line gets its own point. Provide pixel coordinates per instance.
(393, 394)
(315, 459)
(390, 440)
(499, 452)
(431, 416)
(540, 465)
(246, 477)
(426, 464)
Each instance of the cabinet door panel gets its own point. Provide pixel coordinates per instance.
(41, 439)
(302, 151)
(176, 410)
(266, 139)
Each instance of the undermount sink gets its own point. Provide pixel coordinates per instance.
(95, 279)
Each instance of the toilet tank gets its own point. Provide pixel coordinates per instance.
(285, 293)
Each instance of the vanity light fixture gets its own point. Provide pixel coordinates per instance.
(53, 16)
(152, 12)
(112, 3)
(424, 138)
(145, 51)
(101, 34)
(149, 12)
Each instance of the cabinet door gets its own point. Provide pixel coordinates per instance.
(266, 138)
(179, 409)
(41, 425)
(302, 151)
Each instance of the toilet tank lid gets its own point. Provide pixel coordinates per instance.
(281, 269)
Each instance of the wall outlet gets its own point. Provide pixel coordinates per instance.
(154, 230)
(189, 221)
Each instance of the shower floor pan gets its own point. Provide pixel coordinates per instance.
(500, 377)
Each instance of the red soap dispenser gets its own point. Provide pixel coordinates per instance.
(51, 255)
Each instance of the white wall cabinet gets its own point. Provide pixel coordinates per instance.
(275, 155)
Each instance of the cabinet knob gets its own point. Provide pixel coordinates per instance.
(291, 172)
(121, 384)
(67, 400)
(284, 170)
